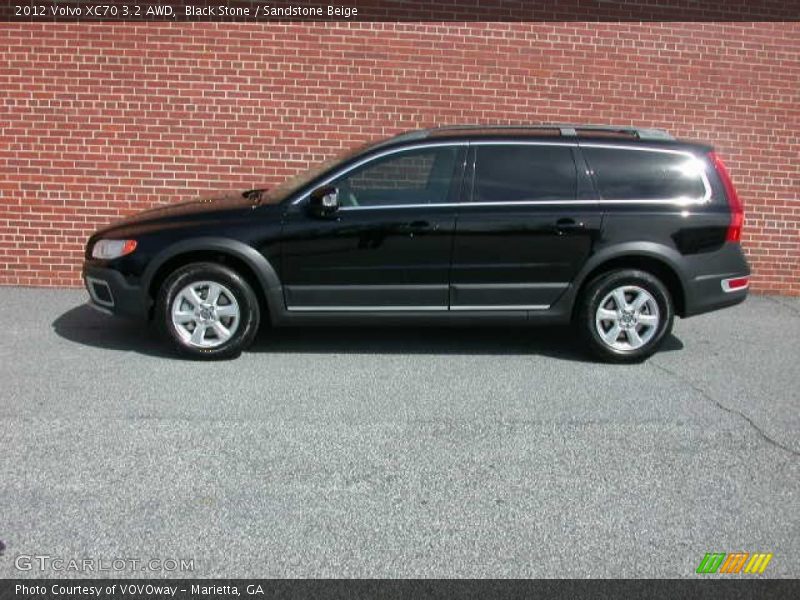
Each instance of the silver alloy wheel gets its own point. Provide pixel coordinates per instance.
(627, 318)
(205, 314)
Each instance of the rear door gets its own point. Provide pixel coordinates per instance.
(527, 229)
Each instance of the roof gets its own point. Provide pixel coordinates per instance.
(616, 133)
(558, 129)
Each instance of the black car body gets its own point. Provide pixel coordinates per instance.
(459, 225)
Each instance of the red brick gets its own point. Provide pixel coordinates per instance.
(102, 121)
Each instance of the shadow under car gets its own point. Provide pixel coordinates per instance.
(86, 326)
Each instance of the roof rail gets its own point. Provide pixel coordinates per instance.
(492, 126)
(643, 133)
(570, 129)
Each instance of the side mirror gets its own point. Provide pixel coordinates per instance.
(324, 201)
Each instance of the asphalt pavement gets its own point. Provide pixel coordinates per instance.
(411, 452)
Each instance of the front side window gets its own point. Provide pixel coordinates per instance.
(627, 174)
(519, 173)
(421, 176)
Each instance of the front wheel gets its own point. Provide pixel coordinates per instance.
(625, 315)
(208, 311)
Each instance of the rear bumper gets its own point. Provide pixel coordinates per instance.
(709, 296)
(111, 293)
(709, 288)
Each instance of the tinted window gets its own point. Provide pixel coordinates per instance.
(411, 177)
(519, 173)
(645, 175)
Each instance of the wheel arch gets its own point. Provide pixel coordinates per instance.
(652, 258)
(249, 263)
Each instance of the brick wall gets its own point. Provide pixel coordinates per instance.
(102, 120)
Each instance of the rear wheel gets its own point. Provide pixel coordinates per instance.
(208, 311)
(625, 315)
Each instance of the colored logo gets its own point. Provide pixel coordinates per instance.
(720, 562)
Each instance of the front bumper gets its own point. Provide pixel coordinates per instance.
(111, 293)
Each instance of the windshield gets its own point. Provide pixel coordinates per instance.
(297, 182)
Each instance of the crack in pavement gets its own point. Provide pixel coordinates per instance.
(794, 309)
(761, 433)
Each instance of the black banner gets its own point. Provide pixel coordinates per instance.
(340, 589)
(265, 11)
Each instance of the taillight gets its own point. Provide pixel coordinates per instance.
(734, 284)
(734, 233)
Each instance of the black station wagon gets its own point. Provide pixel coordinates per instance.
(613, 229)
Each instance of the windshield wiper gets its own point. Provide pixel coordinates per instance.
(254, 195)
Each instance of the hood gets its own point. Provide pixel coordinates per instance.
(201, 207)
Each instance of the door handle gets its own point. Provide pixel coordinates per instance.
(566, 225)
(420, 226)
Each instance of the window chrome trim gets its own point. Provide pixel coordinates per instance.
(704, 199)
(452, 204)
(572, 144)
(373, 157)
(637, 148)
(565, 203)
(421, 146)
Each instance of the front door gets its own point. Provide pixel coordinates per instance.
(388, 247)
(527, 230)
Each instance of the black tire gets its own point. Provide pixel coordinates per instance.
(246, 302)
(599, 289)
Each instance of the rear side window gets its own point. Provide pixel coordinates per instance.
(516, 173)
(623, 174)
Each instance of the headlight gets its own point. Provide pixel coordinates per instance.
(108, 249)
